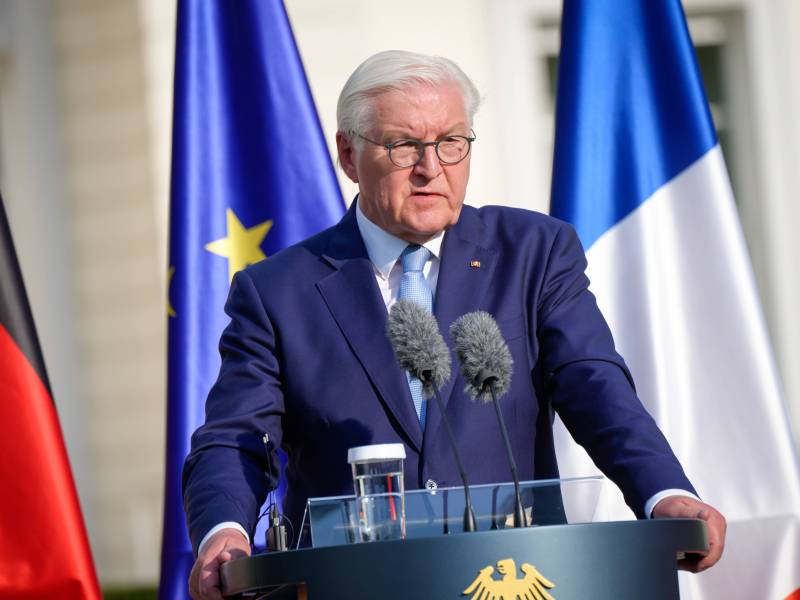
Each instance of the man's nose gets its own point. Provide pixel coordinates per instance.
(429, 166)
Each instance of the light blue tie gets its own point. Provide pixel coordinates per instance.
(414, 288)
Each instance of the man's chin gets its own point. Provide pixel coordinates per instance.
(421, 234)
(421, 225)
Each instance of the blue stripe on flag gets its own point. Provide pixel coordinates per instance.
(631, 111)
(247, 144)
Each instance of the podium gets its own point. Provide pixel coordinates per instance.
(620, 560)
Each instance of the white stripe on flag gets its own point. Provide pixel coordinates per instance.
(673, 279)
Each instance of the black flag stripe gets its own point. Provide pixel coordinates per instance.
(15, 313)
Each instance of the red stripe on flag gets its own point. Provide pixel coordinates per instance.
(795, 595)
(44, 552)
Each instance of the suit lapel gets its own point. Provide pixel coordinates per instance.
(465, 275)
(354, 300)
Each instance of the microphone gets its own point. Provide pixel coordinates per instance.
(486, 364)
(276, 532)
(421, 351)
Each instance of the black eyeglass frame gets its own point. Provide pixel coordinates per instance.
(421, 148)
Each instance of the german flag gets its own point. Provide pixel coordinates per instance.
(44, 551)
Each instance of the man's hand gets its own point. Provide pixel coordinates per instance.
(224, 545)
(685, 507)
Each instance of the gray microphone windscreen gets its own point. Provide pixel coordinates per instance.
(482, 353)
(418, 345)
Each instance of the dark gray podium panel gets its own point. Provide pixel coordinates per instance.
(620, 560)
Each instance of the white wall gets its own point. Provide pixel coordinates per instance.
(78, 177)
(32, 182)
(334, 36)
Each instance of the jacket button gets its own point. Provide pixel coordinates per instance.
(431, 485)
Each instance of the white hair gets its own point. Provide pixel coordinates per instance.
(397, 70)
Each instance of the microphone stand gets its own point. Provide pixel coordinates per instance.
(519, 514)
(469, 514)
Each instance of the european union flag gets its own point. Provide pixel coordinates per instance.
(250, 175)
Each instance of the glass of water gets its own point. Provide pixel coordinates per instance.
(379, 487)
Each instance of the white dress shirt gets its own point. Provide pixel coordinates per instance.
(384, 251)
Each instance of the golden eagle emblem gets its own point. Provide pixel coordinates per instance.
(533, 586)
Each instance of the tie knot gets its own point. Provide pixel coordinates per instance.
(414, 257)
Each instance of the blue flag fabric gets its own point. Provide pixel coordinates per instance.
(631, 111)
(251, 174)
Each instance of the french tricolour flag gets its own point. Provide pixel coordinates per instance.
(639, 172)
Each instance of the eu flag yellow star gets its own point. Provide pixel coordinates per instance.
(242, 246)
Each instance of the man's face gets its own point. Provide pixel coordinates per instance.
(412, 203)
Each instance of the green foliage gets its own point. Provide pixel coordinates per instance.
(130, 594)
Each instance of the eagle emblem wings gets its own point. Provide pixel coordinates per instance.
(532, 586)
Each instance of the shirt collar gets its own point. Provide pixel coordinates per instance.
(383, 248)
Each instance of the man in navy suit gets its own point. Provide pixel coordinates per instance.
(305, 358)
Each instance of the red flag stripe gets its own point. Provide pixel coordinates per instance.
(44, 552)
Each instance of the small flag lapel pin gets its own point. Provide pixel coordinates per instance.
(475, 264)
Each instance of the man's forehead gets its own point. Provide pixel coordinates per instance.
(390, 133)
(420, 108)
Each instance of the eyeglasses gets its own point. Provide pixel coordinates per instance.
(450, 149)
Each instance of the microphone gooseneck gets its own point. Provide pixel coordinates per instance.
(486, 364)
(469, 513)
(421, 351)
(519, 514)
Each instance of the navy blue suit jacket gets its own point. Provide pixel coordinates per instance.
(306, 360)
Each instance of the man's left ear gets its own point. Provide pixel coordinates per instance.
(347, 159)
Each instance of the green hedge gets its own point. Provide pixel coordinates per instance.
(130, 594)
